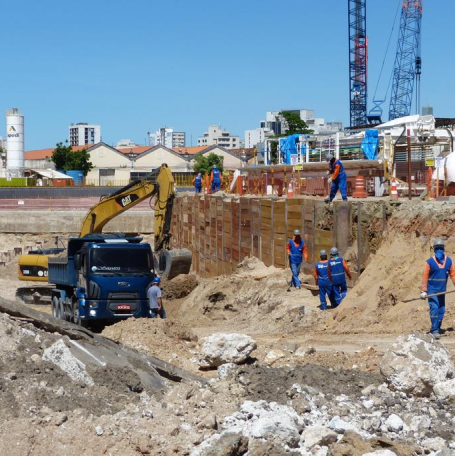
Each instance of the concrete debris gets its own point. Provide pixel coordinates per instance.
(219, 349)
(394, 423)
(273, 356)
(445, 390)
(317, 435)
(380, 453)
(60, 355)
(416, 363)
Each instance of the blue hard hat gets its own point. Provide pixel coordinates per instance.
(156, 280)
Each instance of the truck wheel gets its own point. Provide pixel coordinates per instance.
(55, 307)
(61, 309)
(77, 317)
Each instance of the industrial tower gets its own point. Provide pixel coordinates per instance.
(358, 62)
(407, 67)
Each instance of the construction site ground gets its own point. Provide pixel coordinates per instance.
(337, 351)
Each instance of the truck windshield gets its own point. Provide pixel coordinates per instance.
(119, 261)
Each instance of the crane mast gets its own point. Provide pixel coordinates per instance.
(408, 62)
(358, 62)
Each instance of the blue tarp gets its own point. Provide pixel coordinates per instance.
(288, 147)
(370, 144)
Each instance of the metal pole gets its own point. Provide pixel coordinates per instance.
(359, 240)
(409, 164)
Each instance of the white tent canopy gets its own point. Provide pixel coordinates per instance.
(50, 174)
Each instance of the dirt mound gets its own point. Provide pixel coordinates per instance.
(273, 384)
(254, 299)
(179, 286)
(375, 304)
(165, 339)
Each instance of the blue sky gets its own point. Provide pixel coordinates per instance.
(135, 66)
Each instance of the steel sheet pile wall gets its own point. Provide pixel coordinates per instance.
(222, 230)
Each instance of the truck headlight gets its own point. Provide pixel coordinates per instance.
(93, 313)
(94, 305)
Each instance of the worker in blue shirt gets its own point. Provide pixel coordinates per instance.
(215, 179)
(296, 250)
(321, 275)
(337, 178)
(197, 182)
(436, 273)
(338, 270)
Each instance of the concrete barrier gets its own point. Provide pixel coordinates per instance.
(69, 222)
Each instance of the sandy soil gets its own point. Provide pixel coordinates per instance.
(297, 343)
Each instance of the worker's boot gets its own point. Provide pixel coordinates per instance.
(327, 200)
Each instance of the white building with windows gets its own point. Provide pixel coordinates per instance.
(82, 134)
(167, 137)
(254, 137)
(215, 136)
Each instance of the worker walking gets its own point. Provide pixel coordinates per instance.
(197, 182)
(337, 178)
(434, 280)
(296, 250)
(321, 275)
(155, 300)
(338, 270)
(215, 179)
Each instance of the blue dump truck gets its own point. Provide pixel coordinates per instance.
(103, 277)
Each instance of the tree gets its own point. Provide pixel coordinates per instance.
(295, 125)
(65, 158)
(204, 163)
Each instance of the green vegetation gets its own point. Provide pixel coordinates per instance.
(295, 125)
(66, 159)
(204, 164)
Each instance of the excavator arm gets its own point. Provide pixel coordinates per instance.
(160, 185)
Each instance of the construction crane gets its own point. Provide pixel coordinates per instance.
(408, 61)
(358, 62)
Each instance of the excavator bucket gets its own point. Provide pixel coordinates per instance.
(171, 263)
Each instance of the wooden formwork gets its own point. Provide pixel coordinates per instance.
(222, 230)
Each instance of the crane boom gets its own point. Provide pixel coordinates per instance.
(358, 62)
(407, 67)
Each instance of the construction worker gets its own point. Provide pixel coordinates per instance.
(296, 250)
(338, 270)
(215, 179)
(321, 275)
(197, 182)
(434, 280)
(155, 300)
(337, 178)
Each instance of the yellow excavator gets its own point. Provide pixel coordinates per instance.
(167, 262)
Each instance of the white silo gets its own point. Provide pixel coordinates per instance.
(14, 143)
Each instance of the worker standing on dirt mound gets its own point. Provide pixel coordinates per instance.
(338, 270)
(155, 300)
(434, 280)
(337, 178)
(215, 179)
(321, 275)
(296, 250)
(197, 182)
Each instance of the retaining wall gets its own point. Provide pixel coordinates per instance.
(69, 222)
(222, 230)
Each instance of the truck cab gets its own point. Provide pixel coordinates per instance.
(103, 278)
